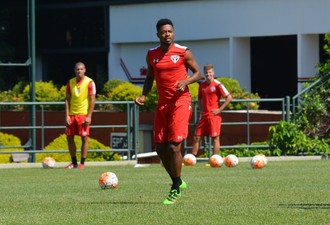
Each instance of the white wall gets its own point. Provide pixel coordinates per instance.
(217, 31)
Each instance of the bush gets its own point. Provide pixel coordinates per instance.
(287, 139)
(10, 96)
(8, 140)
(60, 143)
(151, 100)
(45, 92)
(125, 92)
(237, 92)
(110, 85)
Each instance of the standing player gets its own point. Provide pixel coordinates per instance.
(168, 64)
(209, 94)
(79, 106)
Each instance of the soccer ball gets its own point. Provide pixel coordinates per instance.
(48, 162)
(215, 161)
(263, 156)
(108, 180)
(231, 160)
(189, 160)
(258, 162)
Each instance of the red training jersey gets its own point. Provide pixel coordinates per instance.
(211, 94)
(169, 67)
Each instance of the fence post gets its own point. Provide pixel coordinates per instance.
(287, 98)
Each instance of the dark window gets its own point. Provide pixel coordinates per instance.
(71, 28)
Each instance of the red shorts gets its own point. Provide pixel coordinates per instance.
(209, 126)
(77, 126)
(171, 121)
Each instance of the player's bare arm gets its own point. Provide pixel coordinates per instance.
(193, 67)
(223, 106)
(147, 84)
(88, 119)
(67, 109)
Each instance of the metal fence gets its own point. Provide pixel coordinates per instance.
(207, 141)
(131, 127)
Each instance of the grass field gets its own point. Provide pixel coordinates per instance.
(284, 192)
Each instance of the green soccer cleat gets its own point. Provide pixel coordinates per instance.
(183, 185)
(172, 197)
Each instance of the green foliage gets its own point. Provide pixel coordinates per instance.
(8, 140)
(237, 92)
(287, 139)
(10, 96)
(125, 92)
(110, 85)
(151, 99)
(193, 89)
(313, 115)
(19, 88)
(45, 92)
(247, 152)
(60, 143)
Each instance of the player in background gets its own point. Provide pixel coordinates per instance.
(168, 64)
(79, 106)
(210, 92)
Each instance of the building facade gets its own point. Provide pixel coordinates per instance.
(270, 47)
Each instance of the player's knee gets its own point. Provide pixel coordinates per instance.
(197, 138)
(174, 147)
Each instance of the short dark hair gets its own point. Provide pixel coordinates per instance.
(163, 22)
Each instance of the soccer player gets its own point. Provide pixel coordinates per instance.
(210, 92)
(79, 106)
(168, 64)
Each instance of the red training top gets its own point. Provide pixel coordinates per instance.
(211, 95)
(169, 67)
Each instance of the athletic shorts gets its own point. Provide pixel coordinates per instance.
(171, 121)
(77, 126)
(209, 126)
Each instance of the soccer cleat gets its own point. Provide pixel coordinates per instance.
(183, 185)
(71, 166)
(81, 166)
(172, 197)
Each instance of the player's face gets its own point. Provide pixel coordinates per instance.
(209, 75)
(166, 34)
(80, 71)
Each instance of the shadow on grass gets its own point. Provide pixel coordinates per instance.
(125, 203)
(305, 206)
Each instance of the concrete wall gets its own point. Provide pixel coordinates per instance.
(218, 32)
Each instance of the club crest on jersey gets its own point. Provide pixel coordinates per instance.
(212, 89)
(175, 58)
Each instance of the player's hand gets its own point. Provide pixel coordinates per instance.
(216, 111)
(140, 100)
(180, 86)
(68, 121)
(88, 121)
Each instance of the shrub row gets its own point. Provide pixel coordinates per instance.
(113, 90)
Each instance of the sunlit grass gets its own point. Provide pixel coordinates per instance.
(288, 192)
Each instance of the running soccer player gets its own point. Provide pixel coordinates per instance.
(168, 64)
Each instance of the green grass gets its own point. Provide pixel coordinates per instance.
(287, 192)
